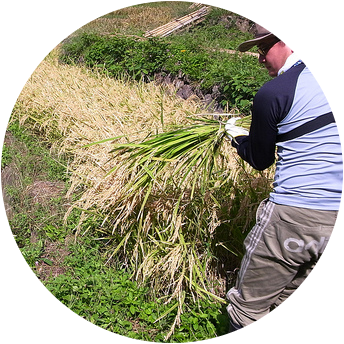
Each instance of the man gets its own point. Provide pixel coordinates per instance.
(294, 225)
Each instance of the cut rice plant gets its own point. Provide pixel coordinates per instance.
(188, 159)
(193, 152)
(167, 209)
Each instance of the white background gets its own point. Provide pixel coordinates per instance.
(30, 29)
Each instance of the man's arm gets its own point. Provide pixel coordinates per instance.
(258, 149)
(259, 152)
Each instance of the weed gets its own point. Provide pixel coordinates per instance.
(32, 252)
(108, 298)
(35, 156)
(6, 156)
(33, 184)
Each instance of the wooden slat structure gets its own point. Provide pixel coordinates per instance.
(178, 23)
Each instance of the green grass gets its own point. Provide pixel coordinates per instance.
(31, 162)
(212, 33)
(34, 155)
(108, 298)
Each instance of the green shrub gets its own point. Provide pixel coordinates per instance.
(117, 55)
(237, 77)
(73, 49)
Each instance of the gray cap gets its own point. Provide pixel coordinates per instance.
(261, 36)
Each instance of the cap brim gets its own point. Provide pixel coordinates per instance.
(252, 42)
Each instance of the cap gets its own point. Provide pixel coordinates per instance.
(261, 36)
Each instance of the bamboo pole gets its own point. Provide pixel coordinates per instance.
(178, 23)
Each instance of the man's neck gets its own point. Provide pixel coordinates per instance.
(290, 61)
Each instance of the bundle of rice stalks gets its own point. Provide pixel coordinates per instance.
(191, 153)
(186, 159)
(167, 208)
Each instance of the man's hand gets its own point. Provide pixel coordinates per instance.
(233, 130)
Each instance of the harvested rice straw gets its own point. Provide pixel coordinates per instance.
(186, 159)
(193, 151)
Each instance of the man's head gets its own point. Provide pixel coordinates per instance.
(273, 53)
